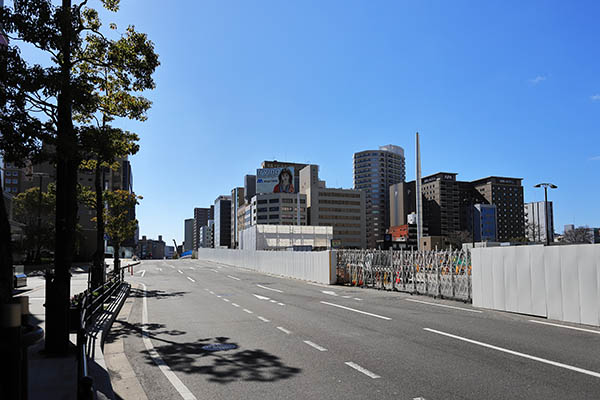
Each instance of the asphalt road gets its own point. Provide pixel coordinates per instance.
(278, 338)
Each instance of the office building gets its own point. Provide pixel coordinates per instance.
(535, 221)
(201, 217)
(222, 229)
(188, 234)
(169, 251)
(277, 209)
(342, 209)
(374, 172)
(237, 201)
(249, 187)
(449, 205)
(507, 195)
(151, 249)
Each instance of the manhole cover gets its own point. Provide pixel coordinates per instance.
(219, 347)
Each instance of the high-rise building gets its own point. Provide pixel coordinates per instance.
(249, 187)
(237, 201)
(201, 217)
(222, 230)
(374, 172)
(484, 222)
(342, 209)
(188, 232)
(535, 221)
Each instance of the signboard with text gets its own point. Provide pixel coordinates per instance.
(275, 180)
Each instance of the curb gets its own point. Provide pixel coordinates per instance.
(98, 369)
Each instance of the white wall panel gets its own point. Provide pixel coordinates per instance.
(511, 284)
(523, 269)
(553, 283)
(476, 277)
(588, 289)
(538, 281)
(499, 300)
(569, 277)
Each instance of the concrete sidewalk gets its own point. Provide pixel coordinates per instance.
(56, 377)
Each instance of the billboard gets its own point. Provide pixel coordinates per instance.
(275, 180)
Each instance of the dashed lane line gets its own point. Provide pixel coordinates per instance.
(565, 326)
(180, 271)
(248, 311)
(357, 311)
(516, 353)
(363, 370)
(235, 305)
(443, 305)
(263, 319)
(268, 288)
(282, 329)
(233, 277)
(191, 279)
(314, 345)
(227, 300)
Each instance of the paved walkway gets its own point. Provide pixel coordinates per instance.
(56, 377)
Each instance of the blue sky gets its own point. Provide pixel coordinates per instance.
(495, 88)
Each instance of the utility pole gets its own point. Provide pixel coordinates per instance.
(418, 196)
(546, 186)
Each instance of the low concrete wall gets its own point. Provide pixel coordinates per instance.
(309, 266)
(557, 282)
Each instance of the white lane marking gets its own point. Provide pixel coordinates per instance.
(206, 289)
(346, 297)
(443, 305)
(273, 301)
(233, 277)
(192, 268)
(316, 346)
(160, 269)
(211, 292)
(219, 296)
(281, 304)
(171, 266)
(516, 353)
(356, 298)
(268, 288)
(419, 398)
(248, 311)
(329, 292)
(143, 272)
(565, 326)
(263, 319)
(177, 384)
(282, 329)
(361, 369)
(214, 270)
(358, 311)
(227, 300)
(180, 271)
(235, 305)
(191, 279)
(260, 297)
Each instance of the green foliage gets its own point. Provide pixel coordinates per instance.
(119, 223)
(27, 207)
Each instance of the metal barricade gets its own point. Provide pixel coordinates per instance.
(442, 273)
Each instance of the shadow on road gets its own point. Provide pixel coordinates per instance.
(156, 294)
(223, 367)
(123, 328)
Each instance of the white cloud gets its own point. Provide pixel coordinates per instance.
(538, 79)
(595, 97)
(596, 158)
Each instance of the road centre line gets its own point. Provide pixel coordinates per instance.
(227, 300)
(361, 369)
(191, 279)
(356, 298)
(263, 319)
(516, 353)
(233, 277)
(175, 381)
(180, 271)
(268, 288)
(565, 326)
(358, 311)
(443, 305)
(248, 311)
(316, 346)
(281, 304)
(282, 329)
(235, 305)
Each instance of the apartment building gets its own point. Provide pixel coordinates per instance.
(237, 201)
(222, 226)
(201, 217)
(374, 172)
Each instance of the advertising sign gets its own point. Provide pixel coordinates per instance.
(275, 180)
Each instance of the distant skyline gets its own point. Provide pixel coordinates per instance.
(502, 88)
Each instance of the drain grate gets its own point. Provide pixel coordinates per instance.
(219, 347)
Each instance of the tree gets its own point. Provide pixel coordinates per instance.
(118, 216)
(28, 206)
(581, 234)
(56, 92)
(456, 239)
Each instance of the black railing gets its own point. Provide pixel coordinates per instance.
(85, 307)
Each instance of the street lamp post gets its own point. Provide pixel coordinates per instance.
(546, 186)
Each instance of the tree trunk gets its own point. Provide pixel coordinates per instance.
(98, 272)
(58, 284)
(6, 266)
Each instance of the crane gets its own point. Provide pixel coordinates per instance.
(176, 252)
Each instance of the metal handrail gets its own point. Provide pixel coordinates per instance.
(92, 300)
